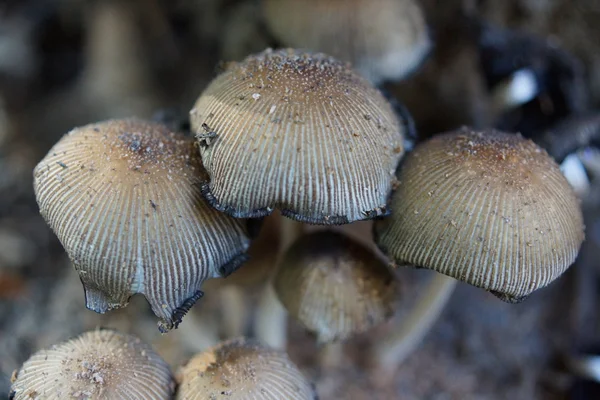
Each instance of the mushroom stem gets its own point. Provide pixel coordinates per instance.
(390, 352)
(271, 317)
(331, 355)
(198, 332)
(234, 315)
(290, 231)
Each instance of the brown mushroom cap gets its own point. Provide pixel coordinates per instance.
(102, 364)
(335, 286)
(383, 39)
(123, 197)
(300, 132)
(488, 208)
(240, 369)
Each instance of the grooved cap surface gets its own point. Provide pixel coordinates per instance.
(300, 132)
(383, 39)
(489, 208)
(335, 286)
(240, 369)
(98, 365)
(123, 198)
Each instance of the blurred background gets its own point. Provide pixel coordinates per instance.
(65, 63)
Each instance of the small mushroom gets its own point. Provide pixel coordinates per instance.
(101, 364)
(300, 132)
(488, 208)
(123, 198)
(242, 369)
(383, 39)
(335, 286)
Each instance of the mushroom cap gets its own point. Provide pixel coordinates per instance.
(241, 369)
(101, 364)
(300, 132)
(124, 199)
(335, 286)
(488, 208)
(383, 39)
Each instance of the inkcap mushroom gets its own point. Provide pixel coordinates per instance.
(123, 197)
(242, 369)
(486, 207)
(300, 132)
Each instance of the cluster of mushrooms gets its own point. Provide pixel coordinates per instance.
(142, 209)
(106, 364)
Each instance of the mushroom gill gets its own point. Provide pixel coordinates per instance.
(335, 286)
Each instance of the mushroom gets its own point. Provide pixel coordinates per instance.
(100, 364)
(300, 132)
(242, 369)
(383, 39)
(123, 198)
(488, 208)
(485, 207)
(334, 286)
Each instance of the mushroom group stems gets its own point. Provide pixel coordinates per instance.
(199, 331)
(331, 355)
(392, 350)
(271, 317)
(234, 316)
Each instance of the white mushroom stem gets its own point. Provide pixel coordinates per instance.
(271, 317)
(234, 315)
(390, 352)
(198, 332)
(331, 355)
(115, 68)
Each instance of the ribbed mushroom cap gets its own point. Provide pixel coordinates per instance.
(123, 197)
(489, 208)
(98, 365)
(383, 39)
(335, 286)
(240, 369)
(299, 132)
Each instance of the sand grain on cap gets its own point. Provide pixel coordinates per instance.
(299, 132)
(488, 208)
(123, 197)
